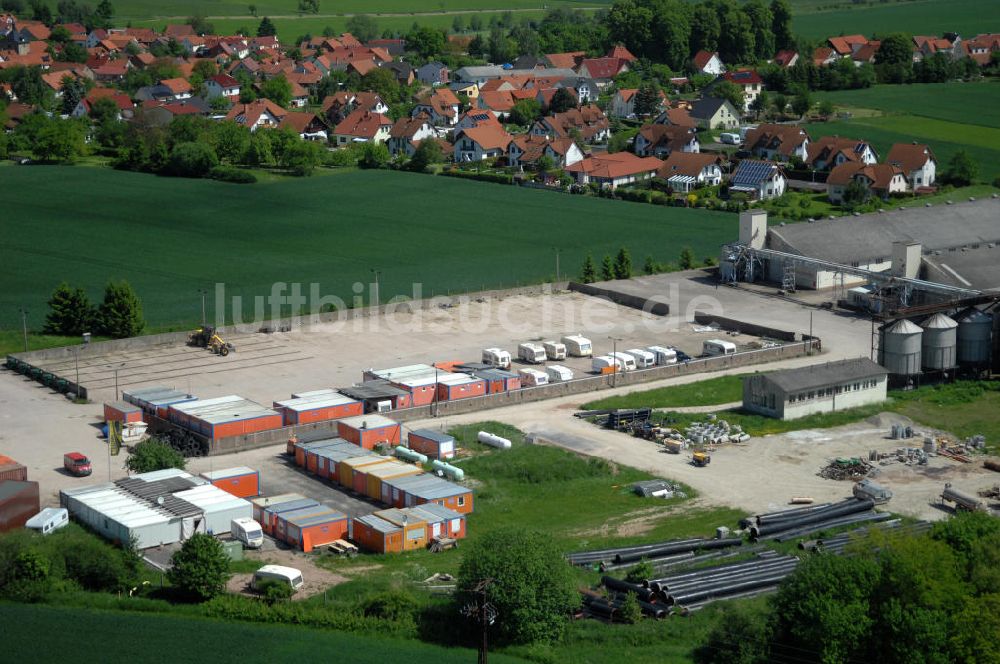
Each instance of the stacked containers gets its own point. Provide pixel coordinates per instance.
(308, 531)
(378, 475)
(434, 444)
(369, 430)
(240, 481)
(122, 411)
(266, 510)
(322, 408)
(225, 417)
(12, 470)
(157, 400)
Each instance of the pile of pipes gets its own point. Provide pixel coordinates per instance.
(605, 558)
(838, 543)
(853, 469)
(802, 521)
(610, 606)
(715, 432)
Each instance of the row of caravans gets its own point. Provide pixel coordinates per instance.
(654, 356)
(534, 353)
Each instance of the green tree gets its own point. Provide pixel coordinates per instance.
(529, 583)
(730, 92)
(705, 28)
(362, 26)
(201, 568)
(618, 142)
(192, 160)
(475, 23)
(588, 273)
(762, 25)
(29, 577)
(649, 266)
(70, 312)
(154, 454)
(825, 108)
(231, 141)
(309, 6)
(302, 157)
(739, 636)
(374, 155)
(686, 259)
(962, 170)
(562, 101)
(500, 48)
(427, 153)
(623, 264)
(120, 314)
(266, 28)
(60, 141)
(253, 10)
(426, 41)
(647, 99)
(855, 195)
(801, 103)
(73, 90)
(607, 269)
(458, 24)
(278, 90)
(973, 637)
(104, 14)
(629, 611)
(72, 52)
(525, 112)
(781, 25)
(104, 110)
(736, 36)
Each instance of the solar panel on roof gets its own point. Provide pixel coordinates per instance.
(751, 173)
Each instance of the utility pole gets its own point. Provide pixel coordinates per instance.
(557, 265)
(378, 295)
(204, 293)
(24, 326)
(614, 357)
(483, 612)
(116, 370)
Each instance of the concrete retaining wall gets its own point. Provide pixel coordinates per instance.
(524, 395)
(741, 326)
(624, 299)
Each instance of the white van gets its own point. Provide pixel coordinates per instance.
(248, 531)
(626, 361)
(278, 573)
(664, 356)
(49, 519)
(730, 139)
(643, 358)
(530, 352)
(558, 373)
(496, 357)
(718, 347)
(533, 377)
(601, 362)
(578, 346)
(554, 350)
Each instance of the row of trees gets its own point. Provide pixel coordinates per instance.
(118, 316)
(897, 600)
(621, 266)
(67, 11)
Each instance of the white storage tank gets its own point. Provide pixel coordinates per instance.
(975, 336)
(940, 343)
(899, 348)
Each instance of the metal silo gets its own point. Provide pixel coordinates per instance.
(940, 343)
(975, 337)
(899, 348)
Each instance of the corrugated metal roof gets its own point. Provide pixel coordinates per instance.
(159, 396)
(392, 470)
(363, 460)
(371, 421)
(291, 506)
(312, 517)
(439, 512)
(825, 375)
(375, 523)
(428, 487)
(268, 501)
(236, 471)
(409, 371)
(458, 379)
(162, 493)
(124, 406)
(225, 409)
(338, 453)
(373, 389)
(312, 403)
(314, 393)
(436, 436)
(399, 516)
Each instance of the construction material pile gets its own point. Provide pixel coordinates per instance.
(802, 521)
(607, 558)
(714, 432)
(853, 468)
(993, 492)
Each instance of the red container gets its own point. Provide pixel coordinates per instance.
(18, 503)
(122, 411)
(242, 482)
(12, 470)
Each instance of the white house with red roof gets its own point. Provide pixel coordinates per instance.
(223, 85)
(363, 126)
(916, 161)
(406, 134)
(707, 62)
(748, 81)
(610, 171)
(486, 141)
(260, 113)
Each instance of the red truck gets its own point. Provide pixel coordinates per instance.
(77, 464)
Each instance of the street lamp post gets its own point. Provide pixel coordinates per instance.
(378, 295)
(557, 264)
(24, 326)
(116, 370)
(204, 293)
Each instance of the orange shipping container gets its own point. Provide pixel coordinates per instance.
(377, 535)
(347, 468)
(369, 430)
(307, 532)
(122, 411)
(377, 474)
(414, 529)
(241, 481)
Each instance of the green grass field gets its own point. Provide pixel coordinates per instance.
(967, 17)
(170, 236)
(714, 391)
(948, 116)
(103, 636)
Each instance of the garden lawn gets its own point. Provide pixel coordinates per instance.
(170, 237)
(711, 392)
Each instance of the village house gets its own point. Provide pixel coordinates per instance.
(406, 134)
(917, 163)
(830, 151)
(746, 80)
(480, 143)
(223, 85)
(125, 106)
(610, 171)
(433, 73)
(256, 114)
(760, 180)
(362, 126)
(623, 103)
(686, 171)
(779, 142)
(588, 121)
(708, 63)
(658, 140)
(714, 113)
(526, 150)
(881, 180)
(308, 126)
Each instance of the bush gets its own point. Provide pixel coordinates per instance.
(153, 454)
(343, 158)
(234, 175)
(630, 612)
(275, 591)
(192, 160)
(395, 605)
(497, 178)
(201, 568)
